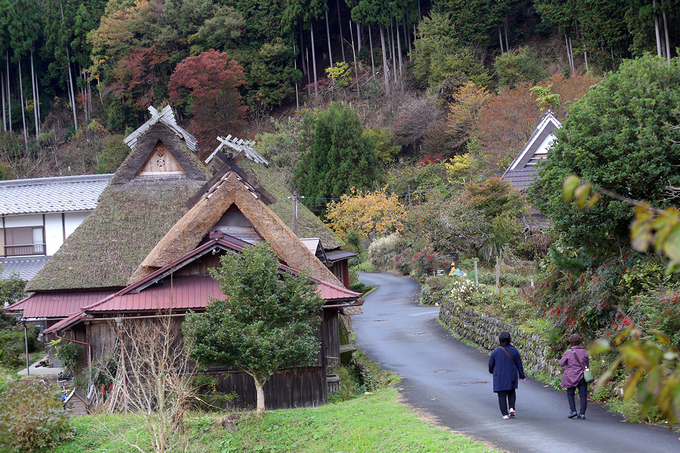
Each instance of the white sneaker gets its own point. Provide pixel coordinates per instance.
(512, 412)
(505, 417)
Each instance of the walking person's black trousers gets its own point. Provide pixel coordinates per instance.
(583, 394)
(506, 399)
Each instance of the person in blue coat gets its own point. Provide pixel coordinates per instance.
(506, 365)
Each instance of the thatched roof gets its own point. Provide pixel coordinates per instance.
(192, 228)
(190, 163)
(108, 246)
(133, 214)
(309, 225)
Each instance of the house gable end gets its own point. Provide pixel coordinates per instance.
(160, 162)
(187, 234)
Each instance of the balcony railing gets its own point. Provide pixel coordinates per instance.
(28, 249)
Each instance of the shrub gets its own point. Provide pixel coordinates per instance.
(32, 416)
(113, 154)
(382, 251)
(518, 66)
(349, 385)
(462, 290)
(66, 352)
(427, 262)
(402, 262)
(506, 279)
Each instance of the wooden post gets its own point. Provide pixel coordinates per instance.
(295, 222)
(498, 275)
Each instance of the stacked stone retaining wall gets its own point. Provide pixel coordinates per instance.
(483, 330)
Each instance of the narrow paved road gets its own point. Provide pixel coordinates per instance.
(450, 381)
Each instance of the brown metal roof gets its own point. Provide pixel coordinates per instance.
(56, 305)
(153, 293)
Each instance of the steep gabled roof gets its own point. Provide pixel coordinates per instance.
(166, 117)
(45, 195)
(154, 293)
(133, 214)
(193, 227)
(522, 171)
(309, 225)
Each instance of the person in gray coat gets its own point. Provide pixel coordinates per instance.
(575, 359)
(505, 364)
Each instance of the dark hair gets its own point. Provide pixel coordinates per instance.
(574, 339)
(504, 338)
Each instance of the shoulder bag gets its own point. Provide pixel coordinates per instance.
(510, 357)
(587, 374)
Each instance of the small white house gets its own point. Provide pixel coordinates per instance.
(37, 215)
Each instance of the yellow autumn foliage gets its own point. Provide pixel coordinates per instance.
(371, 214)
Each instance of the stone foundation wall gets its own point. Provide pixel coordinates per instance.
(483, 330)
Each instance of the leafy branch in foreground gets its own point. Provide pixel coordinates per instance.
(651, 360)
(653, 366)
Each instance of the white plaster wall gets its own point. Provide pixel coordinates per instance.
(73, 220)
(54, 233)
(23, 221)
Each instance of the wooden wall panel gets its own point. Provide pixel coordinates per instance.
(304, 387)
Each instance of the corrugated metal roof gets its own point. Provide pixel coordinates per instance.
(186, 293)
(56, 305)
(44, 195)
(337, 255)
(24, 267)
(153, 292)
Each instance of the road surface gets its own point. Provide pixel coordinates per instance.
(450, 381)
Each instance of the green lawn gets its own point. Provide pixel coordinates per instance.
(369, 423)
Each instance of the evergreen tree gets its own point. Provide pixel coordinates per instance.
(621, 136)
(341, 157)
(266, 323)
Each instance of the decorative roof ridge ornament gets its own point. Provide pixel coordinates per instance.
(240, 146)
(167, 117)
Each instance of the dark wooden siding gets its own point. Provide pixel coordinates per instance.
(331, 336)
(302, 387)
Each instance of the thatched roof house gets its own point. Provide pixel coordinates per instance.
(160, 181)
(144, 199)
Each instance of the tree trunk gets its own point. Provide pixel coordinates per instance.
(358, 39)
(507, 43)
(303, 53)
(36, 101)
(370, 42)
(500, 39)
(394, 57)
(2, 94)
(328, 35)
(309, 82)
(656, 29)
(311, 34)
(342, 40)
(384, 55)
(569, 54)
(668, 47)
(401, 63)
(9, 98)
(585, 51)
(407, 36)
(23, 112)
(297, 92)
(259, 388)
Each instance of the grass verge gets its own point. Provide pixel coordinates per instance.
(370, 423)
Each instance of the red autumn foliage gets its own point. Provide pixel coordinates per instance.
(209, 83)
(505, 124)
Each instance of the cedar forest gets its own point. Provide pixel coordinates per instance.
(395, 120)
